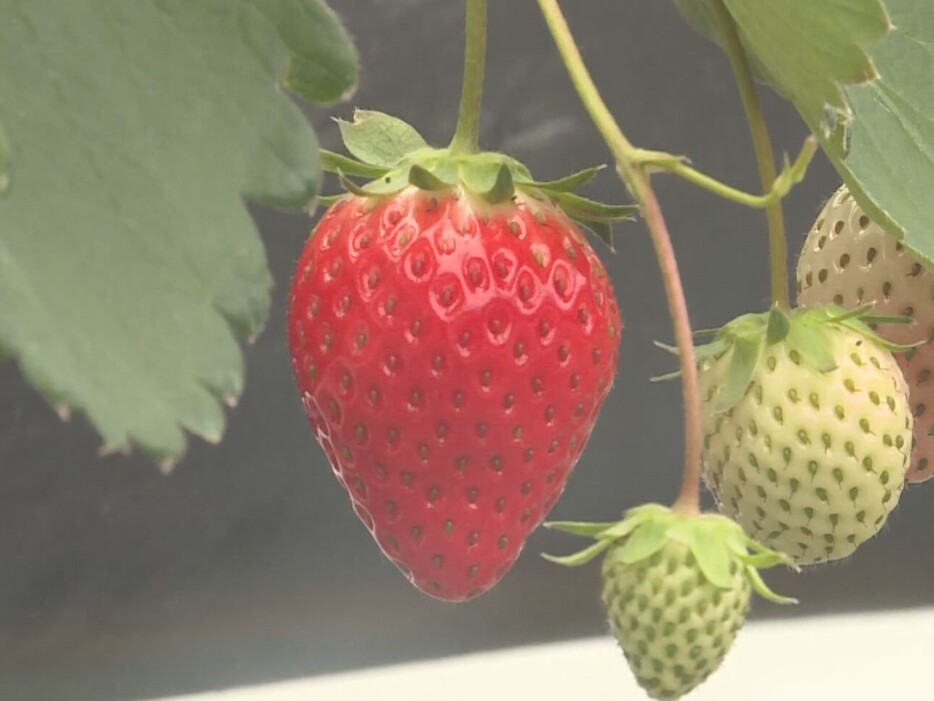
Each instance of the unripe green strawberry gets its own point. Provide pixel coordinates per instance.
(851, 261)
(673, 626)
(807, 430)
(676, 590)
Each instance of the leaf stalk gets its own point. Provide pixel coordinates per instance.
(765, 157)
(633, 174)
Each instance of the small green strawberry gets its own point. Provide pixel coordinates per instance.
(676, 590)
(807, 429)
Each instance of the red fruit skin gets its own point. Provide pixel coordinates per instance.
(452, 361)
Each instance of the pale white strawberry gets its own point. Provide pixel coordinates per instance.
(807, 430)
(850, 261)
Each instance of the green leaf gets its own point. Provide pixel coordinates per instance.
(336, 162)
(883, 147)
(742, 363)
(888, 159)
(322, 65)
(379, 139)
(806, 49)
(128, 261)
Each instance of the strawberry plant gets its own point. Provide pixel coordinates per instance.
(451, 328)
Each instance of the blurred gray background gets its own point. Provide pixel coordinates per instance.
(246, 564)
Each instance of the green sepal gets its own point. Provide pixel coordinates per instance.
(861, 324)
(705, 333)
(777, 327)
(805, 330)
(392, 182)
(351, 186)
(763, 590)
(836, 314)
(643, 542)
(745, 356)
(813, 343)
(581, 528)
(582, 557)
(393, 155)
(336, 162)
(594, 216)
(709, 350)
(713, 558)
(426, 180)
(701, 353)
(578, 207)
(568, 183)
(665, 377)
(503, 188)
(379, 139)
(717, 543)
(876, 319)
(479, 174)
(602, 230)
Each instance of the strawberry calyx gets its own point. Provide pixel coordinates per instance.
(717, 542)
(807, 331)
(390, 155)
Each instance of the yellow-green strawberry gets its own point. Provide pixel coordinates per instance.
(850, 261)
(807, 429)
(676, 589)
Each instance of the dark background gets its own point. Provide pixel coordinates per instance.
(246, 563)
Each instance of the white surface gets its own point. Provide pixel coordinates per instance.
(869, 657)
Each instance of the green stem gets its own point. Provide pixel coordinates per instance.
(790, 176)
(778, 246)
(638, 183)
(466, 136)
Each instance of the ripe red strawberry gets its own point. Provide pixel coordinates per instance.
(452, 356)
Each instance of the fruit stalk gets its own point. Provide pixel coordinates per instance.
(765, 157)
(639, 185)
(466, 135)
